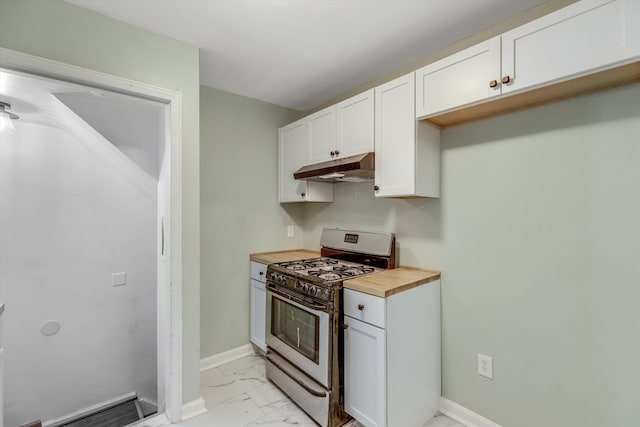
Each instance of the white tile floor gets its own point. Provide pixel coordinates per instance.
(238, 394)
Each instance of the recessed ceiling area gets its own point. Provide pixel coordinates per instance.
(302, 53)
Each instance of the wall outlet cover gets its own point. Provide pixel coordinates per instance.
(485, 365)
(118, 279)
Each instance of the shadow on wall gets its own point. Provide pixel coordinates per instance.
(548, 118)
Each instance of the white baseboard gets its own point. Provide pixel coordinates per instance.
(193, 409)
(463, 415)
(225, 357)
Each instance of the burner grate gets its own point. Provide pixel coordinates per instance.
(340, 271)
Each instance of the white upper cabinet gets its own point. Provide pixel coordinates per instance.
(468, 76)
(342, 130)
(581, 39)
(576, 39)
(293, 153)
(322, 135)
(407, 151)
(632, 26)
(355, 125)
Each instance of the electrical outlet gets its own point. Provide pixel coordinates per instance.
(291, 232)
(485, 365)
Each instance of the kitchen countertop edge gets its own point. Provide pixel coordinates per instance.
(391, 282)
(283, 256)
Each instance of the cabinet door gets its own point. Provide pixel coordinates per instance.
(322, 135)
(258, 313)
(466, 77)
(365, 373)
(355, 125)
(395, 126)
(293, 155)
(577, 39)
(632, 26)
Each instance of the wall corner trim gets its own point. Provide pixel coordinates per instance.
(193, 409)
(225, 357)
(463, 415)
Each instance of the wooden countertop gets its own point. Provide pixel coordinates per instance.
(283, 256)
(391, 282)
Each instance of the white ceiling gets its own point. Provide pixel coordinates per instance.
(301, 53)
(134, 125)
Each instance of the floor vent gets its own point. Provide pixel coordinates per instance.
(119, 415)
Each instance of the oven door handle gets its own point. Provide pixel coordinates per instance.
(295, 299)
(297, 381)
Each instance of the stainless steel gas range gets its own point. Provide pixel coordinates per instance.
(304, 318)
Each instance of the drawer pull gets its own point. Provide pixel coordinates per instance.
(506, 79)
(345, 326)
(360, 307)
(493, 83)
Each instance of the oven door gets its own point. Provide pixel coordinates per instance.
(299, 332)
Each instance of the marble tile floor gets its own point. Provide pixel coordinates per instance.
(238, 394)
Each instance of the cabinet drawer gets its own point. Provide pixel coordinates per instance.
(365, 307)
(258, 271)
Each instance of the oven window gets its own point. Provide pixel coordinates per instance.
(296, 327)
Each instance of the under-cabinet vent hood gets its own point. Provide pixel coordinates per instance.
(351, 169)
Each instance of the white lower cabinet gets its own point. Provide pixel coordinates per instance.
(392, 357)
(365, 380)
(258, 305)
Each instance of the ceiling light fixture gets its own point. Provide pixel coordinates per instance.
(6, 125)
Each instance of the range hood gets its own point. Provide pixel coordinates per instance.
(351, 169)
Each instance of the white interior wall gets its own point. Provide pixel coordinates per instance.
(68, 221)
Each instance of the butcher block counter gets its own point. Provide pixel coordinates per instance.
(283, 256)
(390, 282)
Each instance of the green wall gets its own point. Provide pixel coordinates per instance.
(537, 236)
(240, 209)
(62, 32)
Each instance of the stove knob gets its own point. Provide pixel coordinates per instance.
(313, 290)
(304, 286)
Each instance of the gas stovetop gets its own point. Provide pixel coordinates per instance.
(315, 277)
(327, 269)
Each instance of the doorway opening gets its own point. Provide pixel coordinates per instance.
(86, 244)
